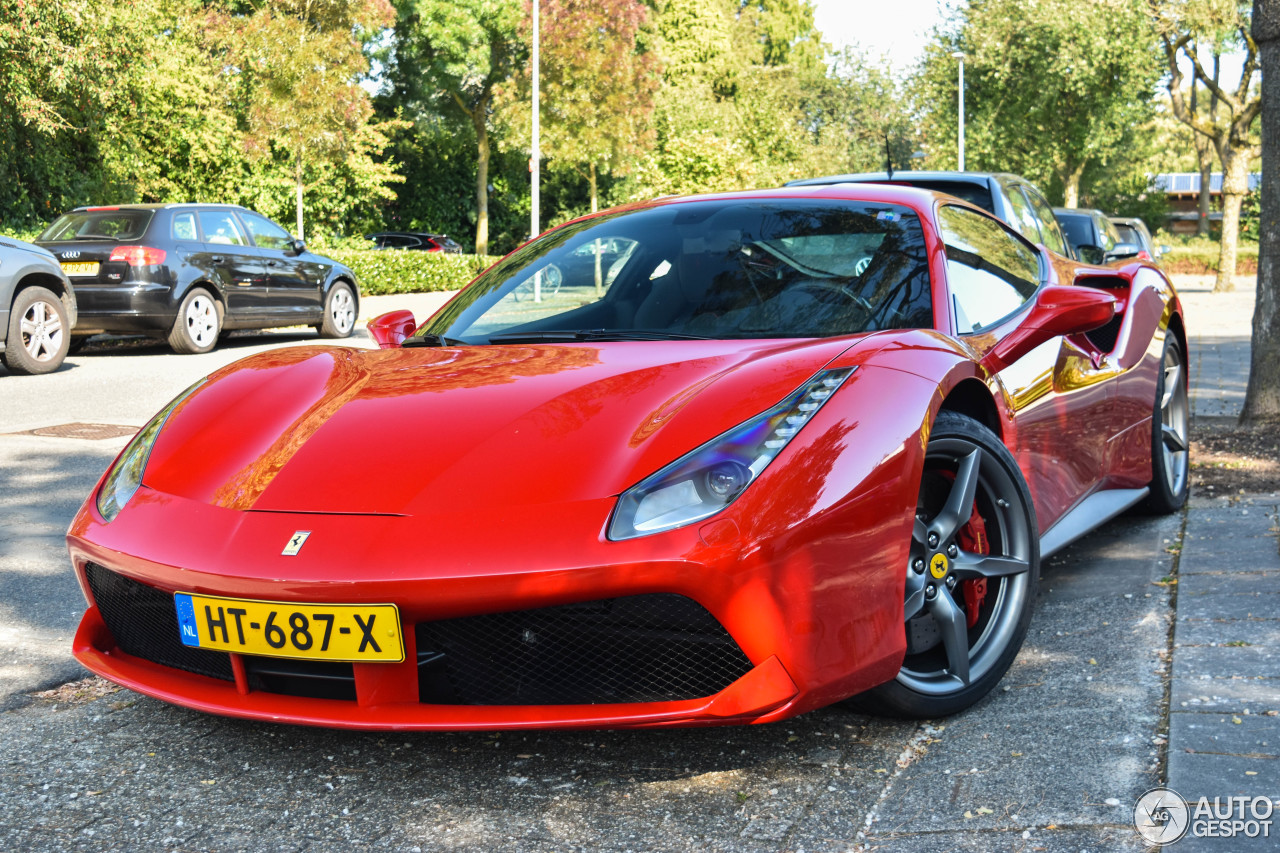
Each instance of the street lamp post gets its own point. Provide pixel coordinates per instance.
(535, 155)
(960, 56)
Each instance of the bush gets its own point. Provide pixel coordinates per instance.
(393, 271)
(1203, 259)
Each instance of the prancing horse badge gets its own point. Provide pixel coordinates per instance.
(296, 542)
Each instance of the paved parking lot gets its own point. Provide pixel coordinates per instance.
(1053, 761)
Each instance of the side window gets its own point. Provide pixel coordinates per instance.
(184, 226)
(1023, 219)
(1050, 233)
(220, 227)
(266, 233)
(1110, 236)
(990, 272)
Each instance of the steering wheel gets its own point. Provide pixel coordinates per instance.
(823, 287)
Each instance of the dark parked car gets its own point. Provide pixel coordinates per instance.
(1134, 230)
(1010, 197)
(37, 309)
(418, 241)
(191, 271)
(1092, 236)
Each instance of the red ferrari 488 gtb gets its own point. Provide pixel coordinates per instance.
(720, 459)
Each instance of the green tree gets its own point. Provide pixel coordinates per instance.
(597, 87)
(1050, 87)
(454, 55)
(1182, 26)
(299, 63)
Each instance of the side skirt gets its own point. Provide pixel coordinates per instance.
(1092, 512)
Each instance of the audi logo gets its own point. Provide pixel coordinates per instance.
(70, 254)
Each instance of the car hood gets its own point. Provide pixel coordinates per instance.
(410, 431)
(31, 248)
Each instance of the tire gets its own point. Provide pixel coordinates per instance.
(950, 664)
(339, 312)
(198, 324)
(39, 333)
(1170, 444)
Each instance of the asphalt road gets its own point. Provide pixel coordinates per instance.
(1053, 761)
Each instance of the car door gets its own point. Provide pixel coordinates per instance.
(294, 284)
(1060, 406)
(236, 263)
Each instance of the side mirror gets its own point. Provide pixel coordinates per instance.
(390, 329)
(1161, 251)
(297, 247)
(1091, 254)
(1123, 250)
(1058, 310)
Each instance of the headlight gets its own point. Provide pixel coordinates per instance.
(125, 476)
(705, 481)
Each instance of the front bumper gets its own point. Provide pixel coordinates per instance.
(798, 650)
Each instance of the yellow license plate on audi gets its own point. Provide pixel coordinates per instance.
(80, 268)
(360, 633)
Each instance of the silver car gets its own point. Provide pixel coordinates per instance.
(37, 308)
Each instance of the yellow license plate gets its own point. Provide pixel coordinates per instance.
(83, 268)
(362, 633)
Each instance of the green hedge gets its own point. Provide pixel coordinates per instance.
(395, 271)
(1203, 259)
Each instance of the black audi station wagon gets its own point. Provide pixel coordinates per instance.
(191, 271)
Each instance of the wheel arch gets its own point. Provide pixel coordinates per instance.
(347, 277)
(971, 397)
(42, 278)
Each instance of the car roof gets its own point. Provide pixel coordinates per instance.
(164, 206)
(1079, 211)
(404, 234)
(903, 176)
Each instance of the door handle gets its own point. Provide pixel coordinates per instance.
(273, 263)
(217, 259)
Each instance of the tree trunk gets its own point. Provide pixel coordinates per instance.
(479, 120)
(1204, 154)
(591, 178)
(1262, 399)
(298, 167)
(1071, 186)
(1235, 183)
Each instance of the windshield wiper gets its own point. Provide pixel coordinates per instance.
(564, 336)
(429, 340)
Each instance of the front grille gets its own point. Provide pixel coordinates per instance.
(643, 648)
(144, 622)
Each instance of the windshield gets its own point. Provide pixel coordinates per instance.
(707, 269)
(97, 225)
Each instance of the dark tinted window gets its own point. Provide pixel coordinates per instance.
(718, 269)
(119, 225)
(978, 195)
(990, 272)
(1079, 229)
(1128, 234)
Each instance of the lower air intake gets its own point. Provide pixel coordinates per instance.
(643, 648)
(144, 622)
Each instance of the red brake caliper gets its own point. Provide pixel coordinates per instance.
(973, 538)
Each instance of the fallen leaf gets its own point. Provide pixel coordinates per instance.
(985, 810)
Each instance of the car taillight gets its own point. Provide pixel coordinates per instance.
(138, 256)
